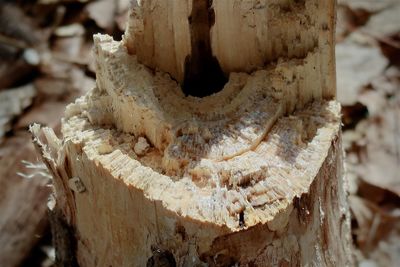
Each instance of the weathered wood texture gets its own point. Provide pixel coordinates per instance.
(245, 36)
(299, 216)
(248, 175)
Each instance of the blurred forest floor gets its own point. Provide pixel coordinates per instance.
(46, 62)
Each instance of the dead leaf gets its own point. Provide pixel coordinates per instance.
(356, 66)
(18, 26)
(377, 233)
(389, 82)
(371, 6)
(11, 71)
(385, 23)
(70, 30)
(373, 223)
(81, 83)
(47, 2)
(52, 87)
(69, 48)
(122, 13)
(22, 201)
(379, 161)
(374, 100)
(102, 12)
(353, 114)
(47, 114)
(12, 103)
(344, 22)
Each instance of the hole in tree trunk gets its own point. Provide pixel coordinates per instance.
(203, 74)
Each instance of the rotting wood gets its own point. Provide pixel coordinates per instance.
(250, 175)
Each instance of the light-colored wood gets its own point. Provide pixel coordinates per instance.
(245, 36)
(294, 213)
(250, 175)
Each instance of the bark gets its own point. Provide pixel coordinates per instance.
(148, 174)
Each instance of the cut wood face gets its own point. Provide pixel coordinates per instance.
(131, 205)
(235, 192)
(211, 133)
(236, 147)
(193, 40)
(228, 48)
(187, 130)
(251, 62)
(236, 144)
(184, 129)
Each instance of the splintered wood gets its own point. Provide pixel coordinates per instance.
(250, 174)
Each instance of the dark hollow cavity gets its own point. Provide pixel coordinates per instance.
(203, 74)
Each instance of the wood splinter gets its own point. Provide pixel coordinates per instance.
(212, 138)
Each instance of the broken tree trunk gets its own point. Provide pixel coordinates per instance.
(211, 139)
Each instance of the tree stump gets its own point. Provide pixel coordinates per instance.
(212, 138)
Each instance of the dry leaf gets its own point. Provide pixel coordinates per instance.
(371, 6)
(344, 22)
(377, 233)
(70, 30)
(102, 12)
(389, 82)
(68, 49)
(380, 159)
(48, 113)
(12, 103)
(22, 201)
(356, 66)
(122, 13)
(52, 87)
(81, 83)
(374, 100)
(374, 224)
(20, 43)
(385, 23)
(16, 25)
(47, 2)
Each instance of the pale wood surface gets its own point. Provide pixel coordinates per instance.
(298, 203)
(248, 176)
(244, 35)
